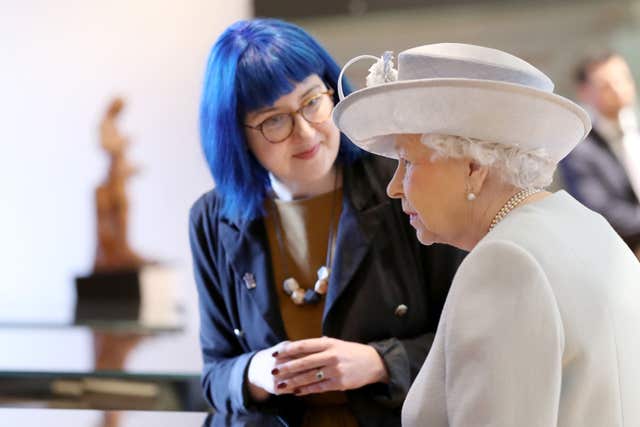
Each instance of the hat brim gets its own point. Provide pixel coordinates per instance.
(487, 110)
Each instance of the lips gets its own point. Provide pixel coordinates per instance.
(304, 155)
(412, 216)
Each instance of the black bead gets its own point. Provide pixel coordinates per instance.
(311, 297)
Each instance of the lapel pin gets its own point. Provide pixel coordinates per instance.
(249, 280)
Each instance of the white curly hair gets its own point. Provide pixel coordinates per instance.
(521, 168)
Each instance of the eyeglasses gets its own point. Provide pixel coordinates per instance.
(279, 127)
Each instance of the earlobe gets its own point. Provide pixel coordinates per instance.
(476, 176)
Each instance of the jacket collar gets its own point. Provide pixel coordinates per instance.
(359, 221)
(601, 141)
(247, 250)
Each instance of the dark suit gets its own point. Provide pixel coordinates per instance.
(379, 265)
(595, 177)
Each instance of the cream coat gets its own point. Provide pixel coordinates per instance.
(541, 328)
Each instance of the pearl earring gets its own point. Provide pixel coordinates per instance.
(471, 196)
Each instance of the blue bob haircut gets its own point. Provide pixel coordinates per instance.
(250, 66)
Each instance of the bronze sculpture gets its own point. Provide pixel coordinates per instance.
(113, 251)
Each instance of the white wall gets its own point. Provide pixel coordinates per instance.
(60, 64)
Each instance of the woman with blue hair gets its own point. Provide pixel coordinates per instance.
(305, 271)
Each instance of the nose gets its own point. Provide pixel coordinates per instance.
(301, 127)
(394, 188)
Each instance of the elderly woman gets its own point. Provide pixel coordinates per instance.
(539, 327)
(304, 268)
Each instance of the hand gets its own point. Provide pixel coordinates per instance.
(260, 380)
(344, 365)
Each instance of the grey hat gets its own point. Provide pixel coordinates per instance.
(463, 90)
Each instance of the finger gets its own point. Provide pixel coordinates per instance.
(278, 376)
(279, 360)
(281, 384)
(304, 364)
(307, 378)
(330, 384)
(281, 387)
(312, 345)
(304, 379)
(282, 360)
(277, 349)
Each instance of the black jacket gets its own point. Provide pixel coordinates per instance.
(595, 176)
(379, 264)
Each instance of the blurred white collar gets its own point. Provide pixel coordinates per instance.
(280, 190)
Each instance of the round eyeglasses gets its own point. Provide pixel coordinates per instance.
(316, 109)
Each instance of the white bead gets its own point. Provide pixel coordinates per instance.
(298, 296)
(290, 285)
(321, 287)
(323, 272)
(471, 196)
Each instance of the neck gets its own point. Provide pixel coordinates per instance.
(617, 118)
(292, 190)
(611, 116)
(495, 193)
(484, 209)
(488, 209)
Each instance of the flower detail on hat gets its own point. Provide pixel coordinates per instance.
(382, 71)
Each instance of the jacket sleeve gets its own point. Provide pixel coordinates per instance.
(503, 341)
(403, 357)
(586, 181)
(225, 363)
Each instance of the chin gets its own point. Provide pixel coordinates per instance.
(316, 169)
(426, 238)
(313, 173)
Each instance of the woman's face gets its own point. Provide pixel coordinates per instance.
(432, 191)
(309, 153)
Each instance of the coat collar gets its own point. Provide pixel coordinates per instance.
(359, 221)
(601, 141)
(248, 253)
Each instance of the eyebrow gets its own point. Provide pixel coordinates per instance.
(269, 109)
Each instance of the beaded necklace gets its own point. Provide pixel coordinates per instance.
(290, 285)
(511, 204)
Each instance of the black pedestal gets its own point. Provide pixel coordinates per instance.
(108, 296)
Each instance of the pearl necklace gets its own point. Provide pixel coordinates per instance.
(511, 204)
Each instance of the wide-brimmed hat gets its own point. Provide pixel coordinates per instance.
(463, 90)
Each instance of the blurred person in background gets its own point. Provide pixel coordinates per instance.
(317, 302)
(603, 172)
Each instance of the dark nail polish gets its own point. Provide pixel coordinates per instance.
(275, 354)
(282, 385)
(275, 371)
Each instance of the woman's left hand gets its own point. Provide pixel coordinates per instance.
(327, 364)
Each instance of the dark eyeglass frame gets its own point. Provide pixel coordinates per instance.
(292, 114)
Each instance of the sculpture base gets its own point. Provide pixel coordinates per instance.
(146, 295)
